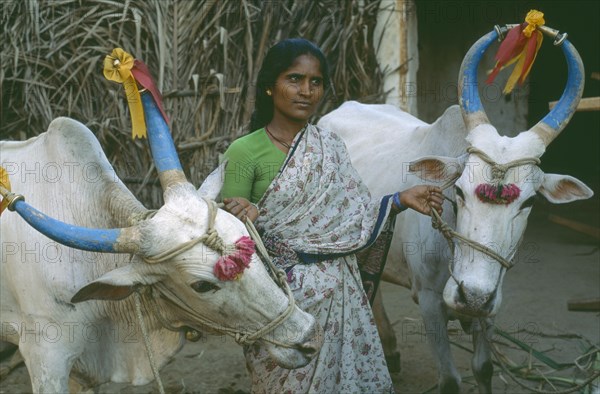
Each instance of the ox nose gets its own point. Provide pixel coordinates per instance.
(310, 349)
(475, 302)
(312, 346)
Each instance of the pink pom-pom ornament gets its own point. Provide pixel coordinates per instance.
(232, 266)
(226, 269)
(497, 194)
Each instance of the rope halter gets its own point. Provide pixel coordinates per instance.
(210, 239)
(214, 241)
(499, 170)
(498, 173)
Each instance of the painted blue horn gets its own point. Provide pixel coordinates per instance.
(161, 145)
(557, 119)
(553, 123)
(468, 95)
(121, 240)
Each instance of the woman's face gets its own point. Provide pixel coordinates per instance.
(298, 90)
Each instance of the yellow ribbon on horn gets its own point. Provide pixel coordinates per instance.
(5, 183)
(117, 68)
(534, 19)
(520, 46)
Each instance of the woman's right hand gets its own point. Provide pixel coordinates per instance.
(241, 208)
(423, 198)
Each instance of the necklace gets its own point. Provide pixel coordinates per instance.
(285, 144)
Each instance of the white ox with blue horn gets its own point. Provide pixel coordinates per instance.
(493, 179)
(81, 282)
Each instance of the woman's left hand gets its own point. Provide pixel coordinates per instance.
(423, 198)
(241, 208)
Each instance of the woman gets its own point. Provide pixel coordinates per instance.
(296, 182)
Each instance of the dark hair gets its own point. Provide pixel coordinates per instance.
(278, 59)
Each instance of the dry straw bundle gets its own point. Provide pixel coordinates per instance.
(204, 56)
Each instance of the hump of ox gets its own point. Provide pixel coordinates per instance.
(80, 262)
(491, 178)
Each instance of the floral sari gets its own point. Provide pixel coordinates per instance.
(314, 217)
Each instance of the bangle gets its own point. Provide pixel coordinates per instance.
(396, 201)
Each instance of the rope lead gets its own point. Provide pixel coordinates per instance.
(215, 242)
(498, 172)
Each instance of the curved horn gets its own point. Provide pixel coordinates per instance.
(161, 145)
(468, 95)
(121, 240)
(552, 124)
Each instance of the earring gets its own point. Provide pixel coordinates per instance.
(269, 92)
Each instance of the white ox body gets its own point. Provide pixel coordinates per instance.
(382, 141)
(65, 174)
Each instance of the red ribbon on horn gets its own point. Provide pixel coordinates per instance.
(144, 78)
(520, 46)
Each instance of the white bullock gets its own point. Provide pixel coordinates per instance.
(498, 178)
(168, 257)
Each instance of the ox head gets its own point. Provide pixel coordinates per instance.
(174, 254)
(498, 179)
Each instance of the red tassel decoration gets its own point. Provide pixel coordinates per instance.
(226, 269)
(520, 46)
(245, 249)
(232, 266)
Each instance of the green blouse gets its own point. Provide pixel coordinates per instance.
(253, 162)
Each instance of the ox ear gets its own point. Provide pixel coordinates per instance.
(117, 284)
(438, 168)
(560, 189)
(211, 187)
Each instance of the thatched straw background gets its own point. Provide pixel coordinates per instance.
(204, 56)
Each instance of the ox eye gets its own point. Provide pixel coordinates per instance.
(528, 203)
(202, 286)
(459, 192)
(454, 207)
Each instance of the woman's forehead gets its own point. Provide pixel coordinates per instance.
(305, 64)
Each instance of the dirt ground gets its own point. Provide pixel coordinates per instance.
(556, 264)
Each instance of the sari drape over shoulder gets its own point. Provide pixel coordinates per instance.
(318, 204)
